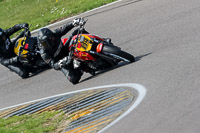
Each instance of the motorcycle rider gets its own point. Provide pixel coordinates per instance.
(7, 55)
(55, 54)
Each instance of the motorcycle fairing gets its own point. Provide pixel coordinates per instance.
(84, 43)
(24, 44)
(83, 56)
(64, 40)
(18, 45)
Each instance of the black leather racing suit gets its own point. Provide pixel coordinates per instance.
(58, 52)
(7, 55)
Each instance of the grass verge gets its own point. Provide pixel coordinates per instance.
(35, 123)
(40, 13)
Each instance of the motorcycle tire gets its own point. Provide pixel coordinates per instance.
(118, 53)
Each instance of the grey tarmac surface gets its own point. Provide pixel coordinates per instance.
(164, 36)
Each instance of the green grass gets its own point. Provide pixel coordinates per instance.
(34, 123)
(40, 13)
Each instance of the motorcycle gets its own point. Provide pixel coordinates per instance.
(95, 52)
(27, 49)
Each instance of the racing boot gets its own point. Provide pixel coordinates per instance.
(73, 75)
(87, 69)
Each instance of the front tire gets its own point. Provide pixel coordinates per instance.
(117, 53)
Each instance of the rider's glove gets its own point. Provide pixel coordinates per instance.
(25, 25)
(23, 60)
(82, 21)
(62, 63)
(65, 62)
(78, 21)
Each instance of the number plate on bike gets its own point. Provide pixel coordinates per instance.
(84, 43)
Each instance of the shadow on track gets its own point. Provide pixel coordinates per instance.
(121, 64)
(141, 56)
(39, 71)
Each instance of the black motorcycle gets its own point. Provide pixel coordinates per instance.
(27, 49)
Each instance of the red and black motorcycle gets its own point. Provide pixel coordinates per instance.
(95, 52)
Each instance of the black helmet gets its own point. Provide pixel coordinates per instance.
(46, 38)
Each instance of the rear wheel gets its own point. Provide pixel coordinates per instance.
(117, 53)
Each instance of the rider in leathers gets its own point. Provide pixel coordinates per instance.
(54, 53)
(7, 55)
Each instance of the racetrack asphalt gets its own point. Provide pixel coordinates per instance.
(163, 35)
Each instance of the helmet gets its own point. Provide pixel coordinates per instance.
(46, 38)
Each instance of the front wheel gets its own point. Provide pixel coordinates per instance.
(117, 53)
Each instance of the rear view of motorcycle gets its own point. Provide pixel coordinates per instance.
(27, 49)
(95, 52)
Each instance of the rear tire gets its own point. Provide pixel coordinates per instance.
(118, 52)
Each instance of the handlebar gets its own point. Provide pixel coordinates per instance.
(82, 23)
(81, 27)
